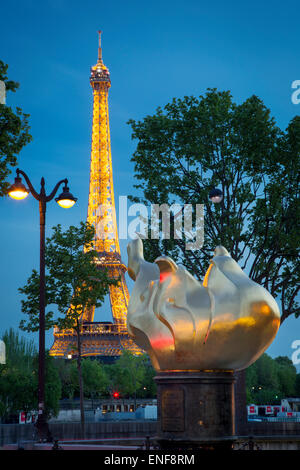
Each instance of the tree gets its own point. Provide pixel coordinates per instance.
(287, 374)
(128, 374)
(269, 380)
(297, 385)
(194, 144)
(52, 385)
(17, 382)
(95, 380)
(18, 378)
(74, 284)
(148, 387)
(17, 391)
(68, 386)
(14, 132)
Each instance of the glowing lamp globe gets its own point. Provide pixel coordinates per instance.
(216, 195)
(18, 190)
(66, 199)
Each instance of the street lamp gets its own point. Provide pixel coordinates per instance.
(215, 195)
(66, 199)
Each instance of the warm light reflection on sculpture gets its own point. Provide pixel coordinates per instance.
(226, 323)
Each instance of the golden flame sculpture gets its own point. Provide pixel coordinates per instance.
(226, 323)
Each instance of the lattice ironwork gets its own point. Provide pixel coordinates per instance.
(102, 339)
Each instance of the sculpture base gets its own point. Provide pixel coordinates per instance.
(195, 410)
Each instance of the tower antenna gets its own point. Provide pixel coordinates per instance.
(99, 48)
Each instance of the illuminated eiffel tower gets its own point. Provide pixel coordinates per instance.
(103, 339)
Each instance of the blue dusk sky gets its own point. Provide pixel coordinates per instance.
(155, 51)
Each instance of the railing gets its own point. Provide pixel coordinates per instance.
(94, 328)
(92, 404)
(273, 419)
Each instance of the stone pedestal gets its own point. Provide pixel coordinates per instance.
(240, 399)
(195, 410)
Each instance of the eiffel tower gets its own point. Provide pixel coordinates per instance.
(102, 339)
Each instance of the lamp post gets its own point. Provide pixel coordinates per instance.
(65, 199)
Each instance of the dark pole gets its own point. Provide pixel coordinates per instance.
(42, 422)
(42, 425)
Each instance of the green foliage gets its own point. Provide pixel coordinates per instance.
(132, 376)
(297, 385)
(74, 283)
(269, 380)
(19, 351)
(95, 380)
(148, 387)
(14, 132)
(19, 378)
(52, 385)
(68, 386)
(287, 375)
(30, 305)
(129, 375)
(194, 144)
(18, 391)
